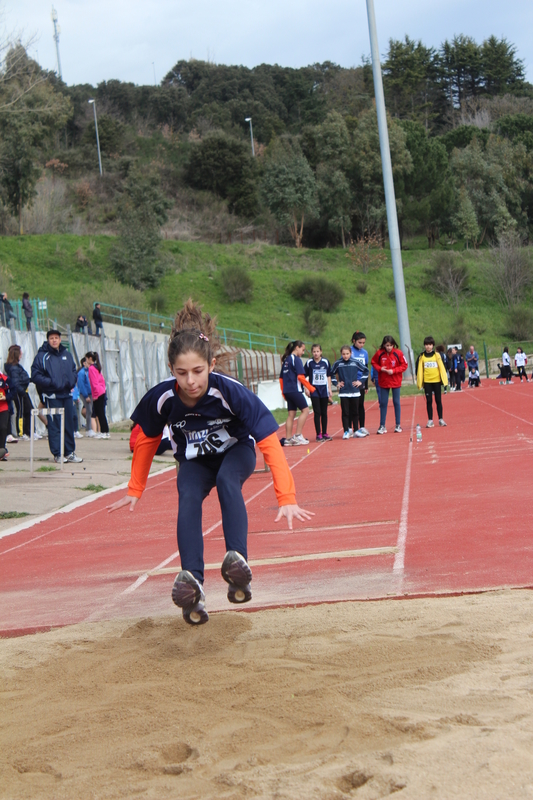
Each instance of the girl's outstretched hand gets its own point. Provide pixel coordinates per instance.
(127, 500)
(293, 512)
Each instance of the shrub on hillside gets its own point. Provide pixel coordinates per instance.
(319, 293)
(315, 321)
(519, 324)
(448, 277)
(362, 287)
(236, 284)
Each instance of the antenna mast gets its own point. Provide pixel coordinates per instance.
(57, 31)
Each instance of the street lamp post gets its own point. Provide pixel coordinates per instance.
(93, 103)
(390, 200)
(249, 119)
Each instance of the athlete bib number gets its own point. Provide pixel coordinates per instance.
(207, 442)
(320, 378)
(430, 365)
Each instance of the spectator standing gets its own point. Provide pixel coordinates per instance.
(19, 380)
(9, 314)
(318, 372)
(390, 364)
(4, 415)
(361, 356)
(98, 393)
(520, 361)
(98, 321)
(431, 376)
(84, 387)
(444, 359)
(54, 373)
(347, 370)
(28, 310)
(458, 369)
(507, 371)
(472, 359)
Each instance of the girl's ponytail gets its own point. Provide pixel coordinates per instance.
(193, 331)
(289, 349)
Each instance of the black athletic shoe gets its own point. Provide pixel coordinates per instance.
(238, 574)
(188, 594)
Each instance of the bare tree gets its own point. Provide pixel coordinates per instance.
(448, 278)
(510, 271)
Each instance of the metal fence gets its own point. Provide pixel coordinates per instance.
(492, 355)
(132, 366)
(40, 314)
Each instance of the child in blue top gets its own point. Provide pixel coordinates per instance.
(318, 371)
(292, 380)
(214, 424)
(361, 355)
(348, 370)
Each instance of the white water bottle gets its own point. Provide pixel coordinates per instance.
(418, 434)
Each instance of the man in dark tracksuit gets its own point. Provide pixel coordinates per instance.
(54, 373)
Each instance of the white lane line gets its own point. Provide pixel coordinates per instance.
(499, 408)
(264, 562)
(144, 577)
(72, 507)
(399, 559)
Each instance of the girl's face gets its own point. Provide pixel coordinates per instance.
(191, 371)
(389, 347)
(359, 343)
(317, 353)
(299, 351)
(428, 347)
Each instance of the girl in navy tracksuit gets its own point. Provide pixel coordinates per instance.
(214, 425)
(293, 380)
(318, 370)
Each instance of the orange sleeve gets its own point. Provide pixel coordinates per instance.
(281, 385)
(143, 455)
(303, 380)
(281, 474)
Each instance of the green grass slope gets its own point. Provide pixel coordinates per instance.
(73, 271)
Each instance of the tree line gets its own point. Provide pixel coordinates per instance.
(460, 127)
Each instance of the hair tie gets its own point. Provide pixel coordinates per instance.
(204, 337)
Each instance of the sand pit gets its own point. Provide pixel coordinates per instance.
(424, 698)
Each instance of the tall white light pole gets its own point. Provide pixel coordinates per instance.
(249, 119)
(57, 31)
(390, 199)
(93, 103)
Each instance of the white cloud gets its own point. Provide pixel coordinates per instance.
(103, 39)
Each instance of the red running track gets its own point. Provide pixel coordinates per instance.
(393, 518)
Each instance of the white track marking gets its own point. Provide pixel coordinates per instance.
(72, 507)
(498, 408)
(399, 559)
(263, 562)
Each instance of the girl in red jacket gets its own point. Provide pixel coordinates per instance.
(389, 362)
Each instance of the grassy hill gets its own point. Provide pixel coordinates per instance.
(73, 271)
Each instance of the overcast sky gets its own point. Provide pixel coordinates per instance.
(128, 39)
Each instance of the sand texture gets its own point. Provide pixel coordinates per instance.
(427, 698)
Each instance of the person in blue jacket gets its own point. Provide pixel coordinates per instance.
(84, 388)
(54, 373)
(361, 356)
(19, 380)
(348, 370)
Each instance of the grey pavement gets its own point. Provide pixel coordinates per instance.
(106, 463)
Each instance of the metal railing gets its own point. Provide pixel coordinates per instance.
(159, 323)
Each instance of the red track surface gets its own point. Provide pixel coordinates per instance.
(393, 518)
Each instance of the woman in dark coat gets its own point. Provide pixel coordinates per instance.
(19, 380)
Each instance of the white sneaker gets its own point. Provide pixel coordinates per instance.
(430, 424)
(108, 436)
(11, 439)
(397, 429)
(36, 437)
(360, 434)
(381, 429)
(59, 459)
(346, 435)
(442, 423)
(91, 434)
(365, 431)
(25, 437)
(72, 458)
(78, 435)
(296, 440)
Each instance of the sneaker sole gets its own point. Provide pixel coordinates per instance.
(238, 575)
(188, 595)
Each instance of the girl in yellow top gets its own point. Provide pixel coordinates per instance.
(430, 376)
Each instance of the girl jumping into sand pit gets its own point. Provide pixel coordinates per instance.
(214, 424)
